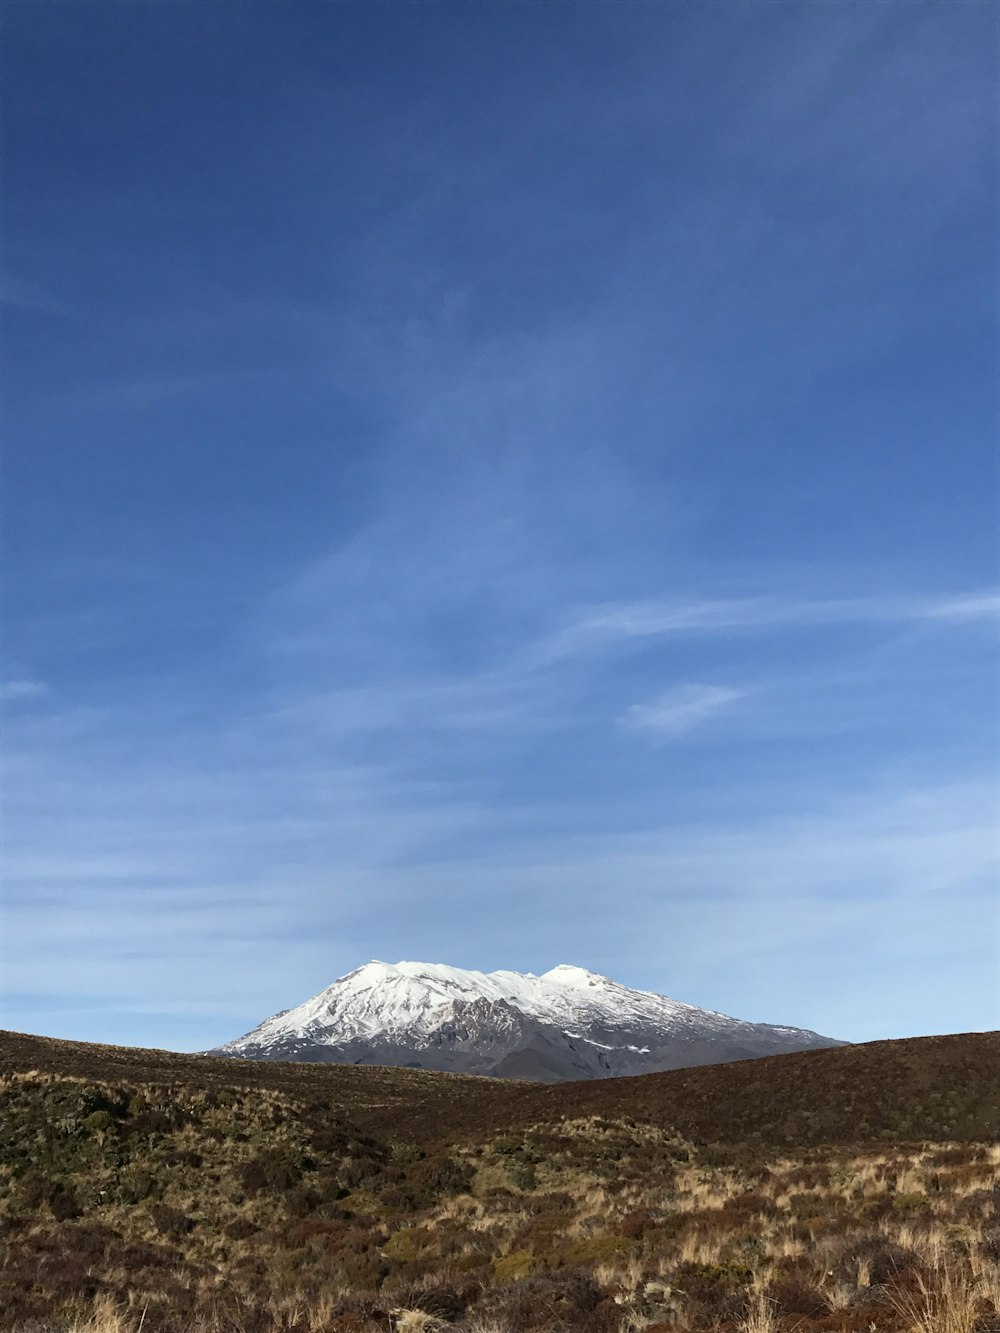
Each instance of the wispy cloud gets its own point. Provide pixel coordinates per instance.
(440, 509)
(22, 691)
(680, 710)
(209, 897)
(614, 621)
(975, 606)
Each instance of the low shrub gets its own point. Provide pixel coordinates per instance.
(274, 1170)
(593, 1250)
(517, 1264)
(909, 1203)
(99, 1122)
(794, 1295)
(171, 1221)
(713, 1292)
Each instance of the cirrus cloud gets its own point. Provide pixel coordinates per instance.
(680, 710)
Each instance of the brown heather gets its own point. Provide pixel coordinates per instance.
(852, 1190)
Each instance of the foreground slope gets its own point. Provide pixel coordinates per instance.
(238, 1197)
(828, 1191)
(566, 1024)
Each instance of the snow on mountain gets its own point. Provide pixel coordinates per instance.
(382, 998)
(566, 1023)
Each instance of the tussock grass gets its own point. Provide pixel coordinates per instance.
(948, 1297)
(156, 1205)
(760, 1315)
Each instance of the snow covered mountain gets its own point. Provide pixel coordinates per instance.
(566, 1024)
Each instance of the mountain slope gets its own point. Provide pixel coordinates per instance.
(566, 1024)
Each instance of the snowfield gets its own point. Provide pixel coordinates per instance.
(566, 1023)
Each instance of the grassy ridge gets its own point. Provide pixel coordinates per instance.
(939, 1088)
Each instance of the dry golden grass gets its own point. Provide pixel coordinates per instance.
(948, 1298)
(952, 1289)
(760, 1317)
(230, 1210)
(416, 1321)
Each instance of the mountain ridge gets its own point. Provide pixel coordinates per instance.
(567, 1023)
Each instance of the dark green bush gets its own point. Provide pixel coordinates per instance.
(507, 1147)
(99, 1122)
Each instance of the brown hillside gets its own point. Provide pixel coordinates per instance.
(832, 1191)
(933, 1088)
(921, 1088)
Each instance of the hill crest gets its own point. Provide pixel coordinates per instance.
(916, 1088)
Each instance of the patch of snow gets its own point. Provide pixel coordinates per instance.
(411, 1000)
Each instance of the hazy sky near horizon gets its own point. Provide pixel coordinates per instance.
(500, 484)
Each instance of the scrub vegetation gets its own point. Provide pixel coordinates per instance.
(172, 1194)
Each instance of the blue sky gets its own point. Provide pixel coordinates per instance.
(505, 485)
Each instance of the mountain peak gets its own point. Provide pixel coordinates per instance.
(567, 1023)
(566, 974)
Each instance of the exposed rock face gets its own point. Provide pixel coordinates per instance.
(566, 1024)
